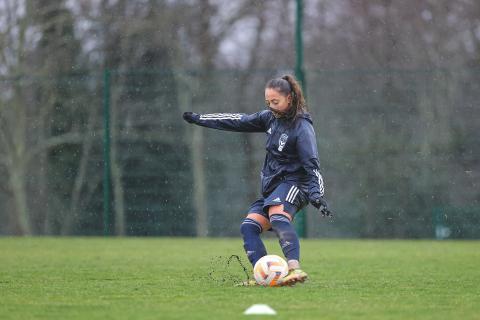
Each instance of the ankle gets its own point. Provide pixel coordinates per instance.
(293, 264)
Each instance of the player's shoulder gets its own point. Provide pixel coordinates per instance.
(304, 121)
(266, 116)
(265, 113)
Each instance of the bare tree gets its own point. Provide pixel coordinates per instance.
(25, 134)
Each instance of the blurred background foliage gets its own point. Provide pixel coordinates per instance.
(393, 87)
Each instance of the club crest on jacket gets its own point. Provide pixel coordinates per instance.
(282, 141)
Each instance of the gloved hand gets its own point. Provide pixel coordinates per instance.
(189, 117)
(321, 204)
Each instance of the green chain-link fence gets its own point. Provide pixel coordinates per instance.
(394, 146)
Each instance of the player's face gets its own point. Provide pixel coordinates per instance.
(276, 101)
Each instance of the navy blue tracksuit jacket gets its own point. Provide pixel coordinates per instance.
(291, 146)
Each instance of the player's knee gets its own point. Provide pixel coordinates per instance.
(278, 211)
(279, 218)
(250, 226)
(281, 224)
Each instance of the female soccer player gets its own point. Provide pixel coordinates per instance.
(290, 176)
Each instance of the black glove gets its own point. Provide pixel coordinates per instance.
(189, 117)
(321, 204)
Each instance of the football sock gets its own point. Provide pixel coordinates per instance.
(287, 237)
(252, 243)
(293, 264)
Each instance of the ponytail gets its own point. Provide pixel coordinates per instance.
(289, 85)
(298, 100)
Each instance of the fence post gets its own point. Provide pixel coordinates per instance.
(300, 224)
(106, 152)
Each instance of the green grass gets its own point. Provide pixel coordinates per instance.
(168, 278)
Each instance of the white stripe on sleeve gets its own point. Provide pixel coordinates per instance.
(221, 116)
(320, 181)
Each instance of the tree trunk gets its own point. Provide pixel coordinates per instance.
(199, 181)
(81, 178)
(42, 207)
(117, 172)
(194, 137)
(18, 186)
(118, 191)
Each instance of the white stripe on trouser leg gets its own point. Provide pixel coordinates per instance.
(294, 196)
(292, 188)
(291, 196)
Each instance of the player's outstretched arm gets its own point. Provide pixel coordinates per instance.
(190, 117)
(239, 122)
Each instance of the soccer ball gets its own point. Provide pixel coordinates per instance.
(269, 269)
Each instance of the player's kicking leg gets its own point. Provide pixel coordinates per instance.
(288, 239)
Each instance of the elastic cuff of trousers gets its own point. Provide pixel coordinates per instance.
(279, 217)
(250, 225)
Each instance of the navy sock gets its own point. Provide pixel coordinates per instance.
(287, 237)
(252, 243)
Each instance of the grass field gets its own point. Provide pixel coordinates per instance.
(178, 278)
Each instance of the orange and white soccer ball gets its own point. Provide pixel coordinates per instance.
(269, 269)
